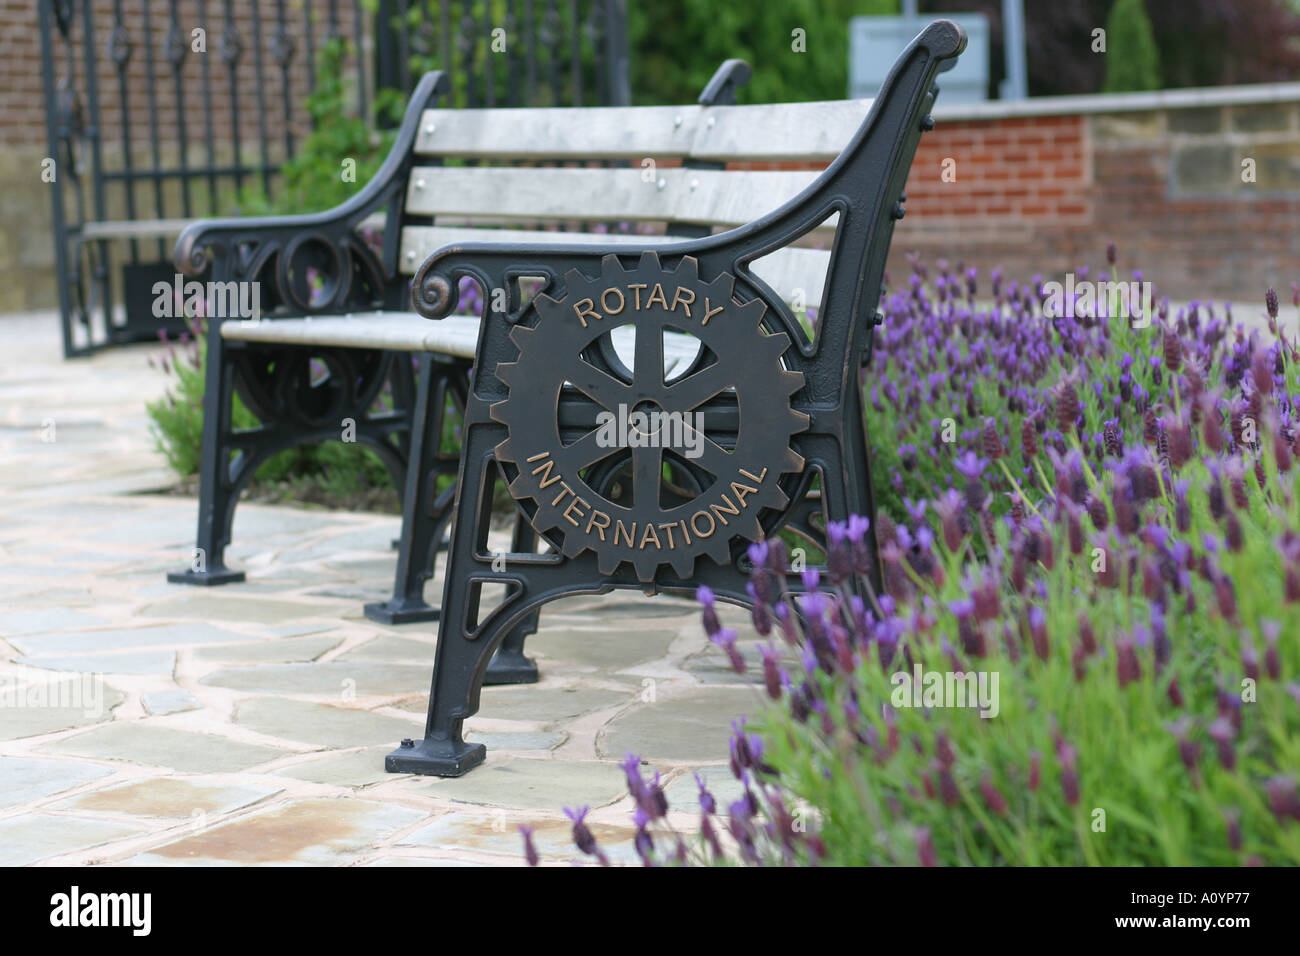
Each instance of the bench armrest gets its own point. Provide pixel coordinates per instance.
(863, 186)
(217, 240)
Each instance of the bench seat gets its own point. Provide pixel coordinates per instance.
(135, 229)
(392, 331)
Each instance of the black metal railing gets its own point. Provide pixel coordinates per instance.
(161, 111)
(540, 52)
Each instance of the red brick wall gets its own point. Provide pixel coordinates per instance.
(1046, 194)
(22, 107)
(1028, 170)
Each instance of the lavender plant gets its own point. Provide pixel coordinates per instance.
(1084, 651)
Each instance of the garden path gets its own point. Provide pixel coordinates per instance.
(143, 722)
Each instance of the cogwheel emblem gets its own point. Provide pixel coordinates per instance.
(696, 364)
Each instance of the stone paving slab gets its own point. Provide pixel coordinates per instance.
(285, 650)
(354, 769)
(32, 837)
(26, 780)
(130, 662)
(30, 718)
(388, 647)
(525, 784)
(248, 724)
(167, 798)
(332, 726)
(115, 639)
(44, 620)
(304, 832)
(164, 747)
(498, 834)
(175, 701)
(347, 678)
(687, 728)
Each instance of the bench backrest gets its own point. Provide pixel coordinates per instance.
(455, 176)
(659, 169)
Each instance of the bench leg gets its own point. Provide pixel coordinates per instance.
(425, 513)
(218, 487)
(508, 664)
(462, 654)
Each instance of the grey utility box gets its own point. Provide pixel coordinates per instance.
(874, 42)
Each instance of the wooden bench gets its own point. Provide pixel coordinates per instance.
(312, 363)
(770, 404)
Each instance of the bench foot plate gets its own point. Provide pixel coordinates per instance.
(402, 612)
(510, 668)
(435, 757)
(206, 579)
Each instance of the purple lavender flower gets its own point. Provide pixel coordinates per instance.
(1223, 734)
(1038, 632)
(1127, 667)
(707, 804)
(711, 624)
(993, 799)
(971, 466)
(726, 639)
(1189, 752)
(925, 847)
(530, 850)
(839, 557)
(583, 838)
(771, 670)
(1282, 798)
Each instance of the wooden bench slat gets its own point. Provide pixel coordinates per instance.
(395, 331)
(779, 132)
(420, 242)
(139, 229)
(794, 273)
(609, 132)
(794, 132)
(710, 196)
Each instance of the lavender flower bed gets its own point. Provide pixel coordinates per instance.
(1086, 650)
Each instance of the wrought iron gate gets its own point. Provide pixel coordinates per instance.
(158, 111)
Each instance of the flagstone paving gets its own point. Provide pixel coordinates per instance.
(148, 723)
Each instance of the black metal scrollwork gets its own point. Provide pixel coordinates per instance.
(231, 46)
(313, 388)
(119, 47)
(282, 48)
